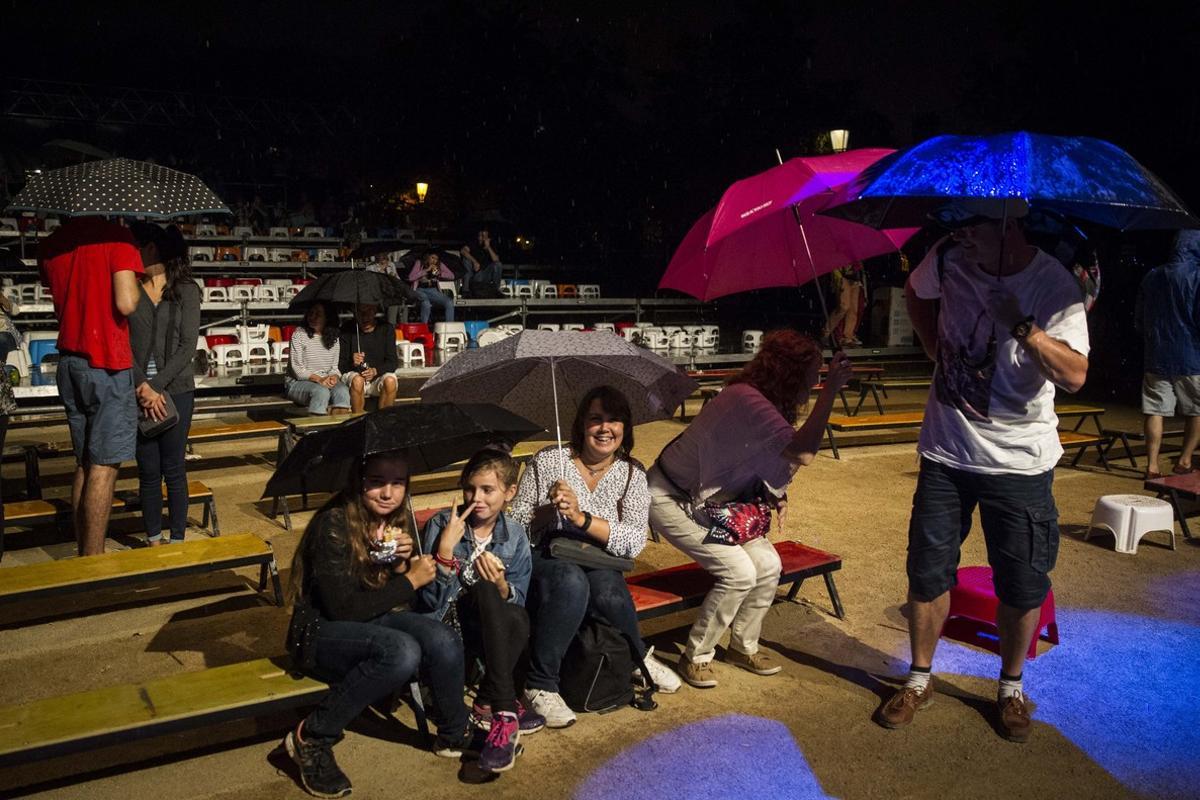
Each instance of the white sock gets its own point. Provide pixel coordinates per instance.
(1010, 686)
(918, 679)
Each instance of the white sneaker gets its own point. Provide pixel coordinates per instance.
(663, 676)
(551, 706)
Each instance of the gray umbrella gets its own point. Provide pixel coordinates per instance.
(543, 375)
(118, 187)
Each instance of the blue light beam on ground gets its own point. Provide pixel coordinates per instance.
(716, 757)
(1124, 688)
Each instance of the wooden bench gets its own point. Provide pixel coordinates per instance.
(141, 564)
(1176, 489)
(1114, 435)
(199, 434)
(913, 419)
(879, 390)
(31, 512)
(666, 591)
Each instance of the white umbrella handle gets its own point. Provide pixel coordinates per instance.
(562, 458)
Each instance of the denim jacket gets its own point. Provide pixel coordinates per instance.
(509, 543)
(1168, 311)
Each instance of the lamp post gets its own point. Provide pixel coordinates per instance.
(422, 190)
(839, 139)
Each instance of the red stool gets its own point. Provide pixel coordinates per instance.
(215, 340)
(568, 290)
(972, 617)
(215, 282)
(247, 281)
(301, 281)
(419, 332)
(287, 332)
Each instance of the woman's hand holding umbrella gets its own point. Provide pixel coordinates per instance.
(564, 499)
(421, 571)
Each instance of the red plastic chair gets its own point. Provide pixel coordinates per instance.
(972, 617)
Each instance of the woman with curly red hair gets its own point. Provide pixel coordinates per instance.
(713, 488)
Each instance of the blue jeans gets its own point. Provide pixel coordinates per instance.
(318, 398)
(487, 276)
(101, 410)
(1020, 529)
(561, 594)
(365, 661)
(434, 297)
(159, 459)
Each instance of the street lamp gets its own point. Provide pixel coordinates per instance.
(839, 139)
(422, 190)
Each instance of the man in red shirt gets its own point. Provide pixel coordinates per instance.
(91, 267)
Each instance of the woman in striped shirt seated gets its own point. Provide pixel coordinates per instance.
(314, 379)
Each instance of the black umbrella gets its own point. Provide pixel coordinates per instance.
(429, 435)
(118, 187)
(356, 286)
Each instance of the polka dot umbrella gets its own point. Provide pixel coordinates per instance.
(118, 187)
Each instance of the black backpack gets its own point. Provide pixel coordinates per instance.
(597, 671)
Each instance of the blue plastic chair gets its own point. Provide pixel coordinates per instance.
(40, 348)
(474, 328)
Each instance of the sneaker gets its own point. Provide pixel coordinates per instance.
(900, 710)
(698, 675)
(551, 707)
(500, 750)
(528, 721)
(319, 772)
(759, 663)
(452, 747)
(663, 676)
(1015, 720)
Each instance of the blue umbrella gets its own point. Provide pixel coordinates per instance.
(1079, 177)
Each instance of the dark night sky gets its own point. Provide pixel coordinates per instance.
(605, 129)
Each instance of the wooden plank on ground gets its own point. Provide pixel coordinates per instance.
(68, 572)
(903, 419)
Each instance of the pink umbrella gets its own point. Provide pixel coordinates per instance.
(764, 232)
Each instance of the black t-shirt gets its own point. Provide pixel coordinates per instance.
(378, 347)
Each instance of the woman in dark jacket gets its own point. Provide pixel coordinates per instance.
(354, 577)
(163, 330)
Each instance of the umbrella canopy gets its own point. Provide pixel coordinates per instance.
(543, 375)
(355, 286)
(765, 233)
(1079, 177)
(428, 435)
(118, 187)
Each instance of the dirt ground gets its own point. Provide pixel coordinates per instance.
(1116, 699)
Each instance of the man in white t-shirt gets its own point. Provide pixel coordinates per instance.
(1005, 324)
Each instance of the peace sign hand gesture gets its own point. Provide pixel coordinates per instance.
(456, 528)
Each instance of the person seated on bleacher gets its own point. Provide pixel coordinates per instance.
(482, 578)
(424, 277)
(352, 573)
(367, 359)
(314, 379)
(163, 330)
(742, 447)
(483, 277)
(601, 496)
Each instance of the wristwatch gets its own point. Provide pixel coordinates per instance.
(587, 521)
(1022, 328)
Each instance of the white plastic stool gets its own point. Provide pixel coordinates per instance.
(680, 339)
(253, 333)
(506, 289)
(492, 335)
(239, 293)
(215, 294)
(43, 294)
(523, 290)
(258, 350)
(573, 326)
(511, 330)
(549, 326)
(269, 294)
(280, 254)
(654, 338)
(643, 324)
(670, 329)
(550, 290)
(707, 338)
(589, 291)
(256, 254)
(450, 336)
(751, 341)
(325, 255)
(410, 353)
(448, 288)
(279, 351)
(605, 326)
(29, 292)
(227, 355)
(1130, 517)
